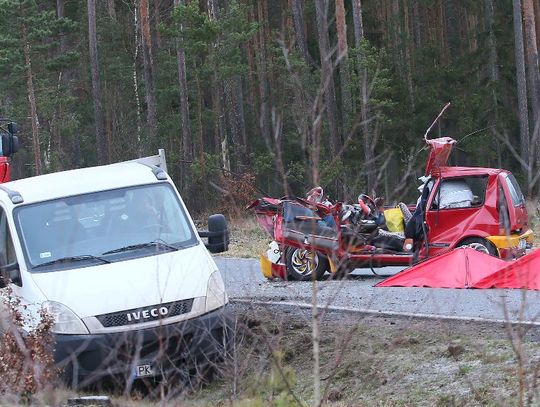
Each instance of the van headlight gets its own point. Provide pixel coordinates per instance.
(65, 320)
(216, 297)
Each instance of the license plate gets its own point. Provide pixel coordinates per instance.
(522, 244)
(143, 370)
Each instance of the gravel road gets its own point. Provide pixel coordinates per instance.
(245, 282)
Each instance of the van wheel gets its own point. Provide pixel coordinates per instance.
(482, 245)
(302, 264)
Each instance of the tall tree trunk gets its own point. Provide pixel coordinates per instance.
(327, 76)
(224, 138)
(187, 144)
(522, 89)
(369, 149)
(111, 9)
(60, 13)
(417, 25)
(57, 143)
(301, 42)
(346, 99)
(264, 85)
(220, 100)
(200, 129)
(452, 29)
(97, 93)
(136, 78)
(241, 118)
(200, 139)
(492, 43)
(30, 91)
(341, 28)
(149, 69)
(531, 60)
(235, 110)
(344, 74)
(357, 21)
(111, 93)
(489, 7)
(230, 110)
(157, 21)
(253, 99)
(405, 40)
(537, 19)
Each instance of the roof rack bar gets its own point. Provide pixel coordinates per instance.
(16, 197)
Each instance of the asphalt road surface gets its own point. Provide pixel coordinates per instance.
(245, 283)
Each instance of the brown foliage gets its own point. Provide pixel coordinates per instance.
(26, 358)
(239, 190)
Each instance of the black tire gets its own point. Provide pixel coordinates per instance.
(302, 264)
(480, 244)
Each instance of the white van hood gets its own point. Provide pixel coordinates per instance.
(129, 284)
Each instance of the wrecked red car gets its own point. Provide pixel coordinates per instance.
(482, 208)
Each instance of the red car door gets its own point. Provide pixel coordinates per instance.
(515, 202)
(461, 207)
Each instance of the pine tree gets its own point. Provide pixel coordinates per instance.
(327, 76)
(521, 84)
(97, 93)
(27, 37)
(187, 144)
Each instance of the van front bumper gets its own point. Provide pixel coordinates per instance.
(168, 349)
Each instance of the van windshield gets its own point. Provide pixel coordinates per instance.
(103, 227)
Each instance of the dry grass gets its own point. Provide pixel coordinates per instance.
(365, 361)
(533, 208)
(248, 240)
(375, 361)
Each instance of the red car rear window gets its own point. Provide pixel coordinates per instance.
(515, 190)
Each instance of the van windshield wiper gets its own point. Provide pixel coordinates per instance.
(72, 259)
(154, 243)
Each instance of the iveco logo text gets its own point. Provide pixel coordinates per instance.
(147, 313)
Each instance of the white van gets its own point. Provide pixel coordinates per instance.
(112, 253)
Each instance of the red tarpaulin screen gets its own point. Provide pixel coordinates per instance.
(521, 273)
(459, 268)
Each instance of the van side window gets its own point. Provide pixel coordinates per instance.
(462, 192)
(7, 252)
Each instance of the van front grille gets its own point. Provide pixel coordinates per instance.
(146, 314)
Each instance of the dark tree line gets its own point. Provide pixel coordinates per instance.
(288, 93)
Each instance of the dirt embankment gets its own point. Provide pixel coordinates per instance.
(367, 361)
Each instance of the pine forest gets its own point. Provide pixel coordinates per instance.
(252, 97)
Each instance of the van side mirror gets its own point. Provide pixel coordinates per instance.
(13, 128)
(10, 272)
(10, 144)
(217, 234)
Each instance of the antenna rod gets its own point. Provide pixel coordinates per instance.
(435, 121)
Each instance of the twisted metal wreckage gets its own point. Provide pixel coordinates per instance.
(481, 211)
